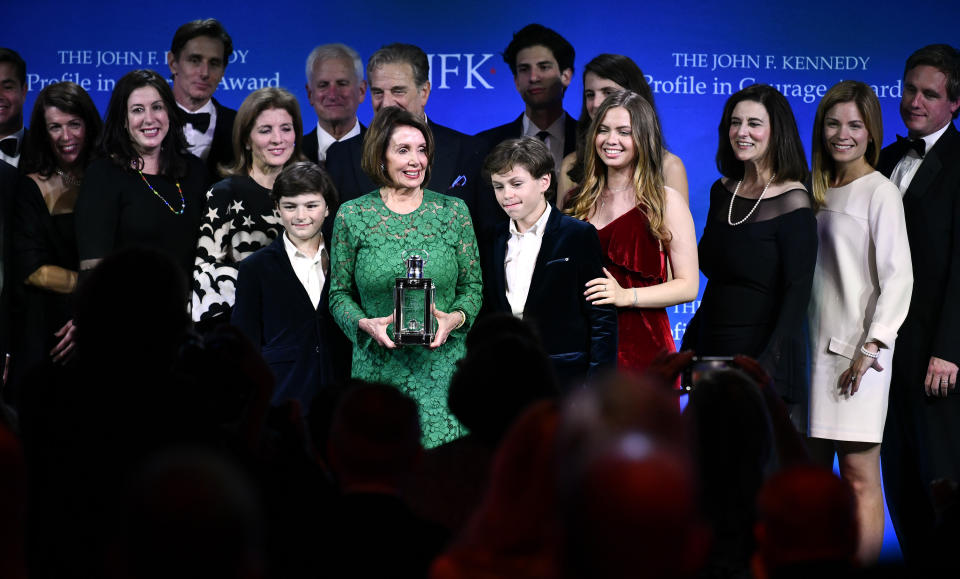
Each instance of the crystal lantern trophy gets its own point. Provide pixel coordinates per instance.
(413, 321)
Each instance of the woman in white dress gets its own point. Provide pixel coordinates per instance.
(861, 292)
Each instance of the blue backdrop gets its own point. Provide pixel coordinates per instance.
(694, 53)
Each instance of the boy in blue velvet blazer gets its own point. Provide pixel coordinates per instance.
(281, 297)
(539, 262)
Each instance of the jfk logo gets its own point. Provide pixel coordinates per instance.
(460, 70)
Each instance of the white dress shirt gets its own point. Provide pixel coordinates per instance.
(905, 170)
(325, 139)
(14, 160)
(555, 141)
(520, 260)
(309, 270)
(199, 143)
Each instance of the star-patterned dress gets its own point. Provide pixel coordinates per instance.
(240, 219)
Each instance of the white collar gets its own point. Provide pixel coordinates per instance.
(293, 252)
(555, 129)
(325, 139)
(537, 228)
(931, 139)
(207, 108)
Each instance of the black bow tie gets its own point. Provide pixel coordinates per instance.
(199, 121)
(9, 146)
(918, 145)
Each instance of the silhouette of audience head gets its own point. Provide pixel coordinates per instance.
(374, 437)
(13, 506)
(131, 310)
(504, 371)
(806, 516)
(731, 429)
(191, 514)
(634, 508)
(515, 530)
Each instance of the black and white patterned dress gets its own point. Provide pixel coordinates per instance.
(239, 219)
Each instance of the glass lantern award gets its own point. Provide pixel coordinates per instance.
(413, 321)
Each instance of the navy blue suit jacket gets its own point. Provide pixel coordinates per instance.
(302, 344)
(580, 337)
(486, 141)
(311, 147)
(455, 170)
(490, 138)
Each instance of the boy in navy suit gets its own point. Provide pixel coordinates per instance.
(540, 261)
(282, 290)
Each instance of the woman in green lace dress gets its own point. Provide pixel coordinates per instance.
(371, 237)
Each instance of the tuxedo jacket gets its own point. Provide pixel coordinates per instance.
(221, 149)
(311, 147)
(490, 138)
(931, 207)
(302, 344)
(580, 337)
(455, 170)
(8, 186)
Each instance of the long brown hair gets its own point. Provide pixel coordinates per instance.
(260, 100)
(847, 91)
(647, 169)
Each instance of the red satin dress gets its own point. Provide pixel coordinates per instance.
(633, 256)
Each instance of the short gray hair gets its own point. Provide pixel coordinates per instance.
(334, 51)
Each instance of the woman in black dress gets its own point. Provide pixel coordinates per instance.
(64, 128)
(759, 244)
(758, 252)
(240, 216)
(146, 190)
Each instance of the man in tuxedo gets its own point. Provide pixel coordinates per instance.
(921, 442)
(399, 77)
(542, 65)
(197, 59)
(13, 91)
(335, 88)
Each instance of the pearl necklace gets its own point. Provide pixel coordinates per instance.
(183, 202)
(755, 205)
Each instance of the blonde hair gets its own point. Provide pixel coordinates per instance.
(847, 91)
(647, 170)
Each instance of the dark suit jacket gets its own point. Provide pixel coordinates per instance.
(490, 138)
(221, 149)
(311, 148)
(302, 345)
(580, 338)
(931, 207)
(8, 188)
(514, 130)
(455, 170)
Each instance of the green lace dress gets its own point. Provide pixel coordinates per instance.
(368, 246)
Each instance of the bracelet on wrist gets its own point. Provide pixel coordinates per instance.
(463, 319)
(635, 300)
(868, 353)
